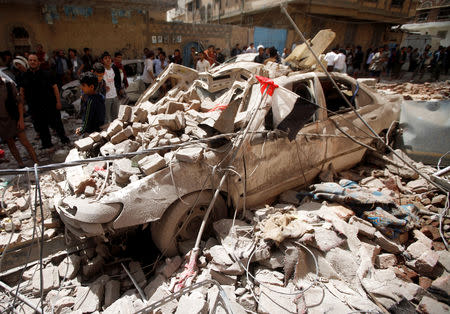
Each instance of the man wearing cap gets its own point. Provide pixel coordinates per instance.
(261, 56)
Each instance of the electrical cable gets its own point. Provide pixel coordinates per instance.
(41, 249)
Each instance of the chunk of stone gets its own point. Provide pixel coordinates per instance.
(364, 227)
(63, 303)
(385, 260)
(386, 244)
(84, 144)
(123, 170)
(194, 303)
(269, 276)
(444, 259)
(418, 186)
(50, 279)
(127, 146)
(439, 200)
(276, 260)
(75, 176)
(69, 267)
(248, 302)
(107, 149)
(430, 306)
(419, 236)
(222, 278)
(416, 249)
(161, 293)
(115, 127)
(276, 300)
(122, 135)
(89, 191)
(442, 284)
(96, 136)
(220, 256)
(171, 266)
(89, 299)
(151, 164)
(138, 273)
(112, 292)
(174, 106)
(174, 122)
(93, 267)
(124, 305)
(153, 285)
(124, 113)
(190, 154)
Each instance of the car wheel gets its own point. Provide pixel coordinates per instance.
(181, 221)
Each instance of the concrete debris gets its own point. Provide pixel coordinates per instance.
(370, 233)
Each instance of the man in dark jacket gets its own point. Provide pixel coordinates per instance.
(41, 93)
(261, 56)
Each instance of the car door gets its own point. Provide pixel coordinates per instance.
(342, 152)
(274, 163)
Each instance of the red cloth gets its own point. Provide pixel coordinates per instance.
(264, 81)
(210, 56)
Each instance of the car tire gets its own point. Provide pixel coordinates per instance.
(181, 222)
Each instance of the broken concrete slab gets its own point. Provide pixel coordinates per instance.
(50, 278)
(190, 154)
(151, 164)
(112, 292)
(84, 144)
(194, 303)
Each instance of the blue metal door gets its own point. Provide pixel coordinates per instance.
(269, 37)
(187, 52)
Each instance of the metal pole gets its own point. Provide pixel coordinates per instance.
(141, 293)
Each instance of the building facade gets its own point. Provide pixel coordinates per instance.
(111, 25)
(363, 22)
(431, 25)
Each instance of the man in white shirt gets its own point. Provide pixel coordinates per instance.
(161, 63)
(251, 48)
(148, 76)
(202, 64)
(329, 58)
(112, 80)
(339, 62)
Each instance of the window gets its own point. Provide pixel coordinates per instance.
(20, 33)
(444, 14)
(334, 101)
(422, 15)
(21, 40)
(397, 3)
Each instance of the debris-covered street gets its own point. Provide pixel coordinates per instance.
(266, 182)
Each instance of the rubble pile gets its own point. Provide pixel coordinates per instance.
(332, 248)
(416, 91)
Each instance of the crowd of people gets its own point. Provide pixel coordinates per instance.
(38, 80)
(394, 63)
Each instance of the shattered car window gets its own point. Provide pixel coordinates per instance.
(335, 103)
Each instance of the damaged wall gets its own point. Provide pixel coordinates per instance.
(106, 28)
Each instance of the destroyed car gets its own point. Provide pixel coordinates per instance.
(297, 131)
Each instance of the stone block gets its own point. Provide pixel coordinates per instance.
(124, 113)
(75, 176)
(174, 106)
(89, 299)
(171, 266)
(387, 244)
(107, 149)
(115, 127)
(430, 306)
(385, 260)
(127, 146)
(153, 285)
(174, 122)
(151, 164)
(162, 293)
(89, 191)
(194, 303)
(122, 135)
(50, 279)
(123, 170)
(84, 144)
(364, 228)
(137, 273)
(112, 292)
(96, 136)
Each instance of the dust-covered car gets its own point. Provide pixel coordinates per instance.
(300, 129)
